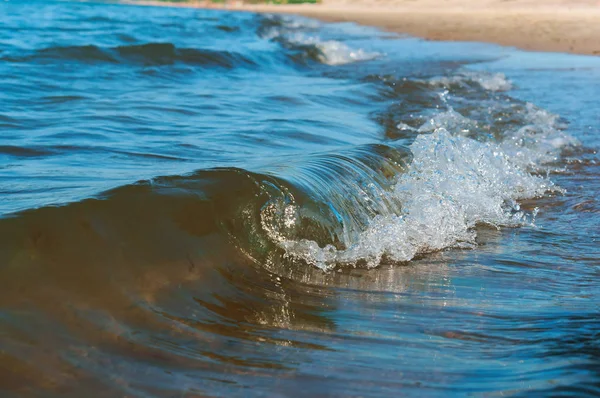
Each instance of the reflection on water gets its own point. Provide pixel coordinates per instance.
(202, 203)
(216, 322)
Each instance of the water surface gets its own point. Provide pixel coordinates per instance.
(208, 203)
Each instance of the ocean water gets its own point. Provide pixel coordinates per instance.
(205, 203)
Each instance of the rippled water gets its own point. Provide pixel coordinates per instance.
(206, 203)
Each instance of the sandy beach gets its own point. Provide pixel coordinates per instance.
(554, 25)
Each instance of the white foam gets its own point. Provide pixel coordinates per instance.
(450, 120)
(488, 81)
(540, 141)
(337, 53)
(331, 52)
(405, 127)
(453, 184)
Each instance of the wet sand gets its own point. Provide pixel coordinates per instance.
(554, 25)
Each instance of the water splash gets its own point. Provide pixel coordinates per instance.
(487, 81)
(298, 33)
(453, 184)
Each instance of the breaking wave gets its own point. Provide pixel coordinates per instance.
(302, 38)
(369, 204)
(452, 185)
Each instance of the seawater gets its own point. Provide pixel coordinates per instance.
(211, 203)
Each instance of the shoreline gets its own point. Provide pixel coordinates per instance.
(562, 26)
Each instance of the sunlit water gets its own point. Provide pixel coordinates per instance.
(206, 203)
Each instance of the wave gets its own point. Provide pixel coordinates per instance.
(466, 79)
(300, 38)
(372, 204)
(447, 171)
(329, 52)
(143, 54)
(297, 36)
(161, 268)
(452, 185)
(460, 176)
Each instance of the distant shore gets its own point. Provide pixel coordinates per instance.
(552, 25)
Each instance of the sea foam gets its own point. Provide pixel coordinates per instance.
(452, 184)
(488, 81)
(333, 52)
(299, 32)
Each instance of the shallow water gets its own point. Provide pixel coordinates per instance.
(206, 203)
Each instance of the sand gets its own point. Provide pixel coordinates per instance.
(543, 25)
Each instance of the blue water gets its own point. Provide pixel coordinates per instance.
(209, 203)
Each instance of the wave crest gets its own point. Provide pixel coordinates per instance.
(453, 184)
(143, 54)
(298, 36)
